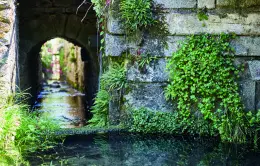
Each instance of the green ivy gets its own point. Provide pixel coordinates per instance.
(202, 81)
(147, 121)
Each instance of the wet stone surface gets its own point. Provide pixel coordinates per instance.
(62, 103)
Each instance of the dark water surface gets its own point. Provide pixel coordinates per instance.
(67, 106)
(63, 103)
(117, 149)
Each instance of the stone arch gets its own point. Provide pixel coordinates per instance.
(40, 21)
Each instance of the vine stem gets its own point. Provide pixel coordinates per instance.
(86, 13)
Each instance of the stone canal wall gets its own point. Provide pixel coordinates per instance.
(8, 45)
(228, 16)
(41, 20)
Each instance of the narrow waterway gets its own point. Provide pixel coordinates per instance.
(67, 105)
(63, 103)
(120, 149)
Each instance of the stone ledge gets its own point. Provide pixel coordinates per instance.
(154, 72)
(176, 4)
(209, 4)
(243, 3)
(116, 45)
(186, 24)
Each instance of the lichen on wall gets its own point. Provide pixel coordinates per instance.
(8, 45)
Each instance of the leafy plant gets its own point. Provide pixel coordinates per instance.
(113, 79)
(147, 121)
(144, 59)
(202, 79)
(72, 56)
(136, 15)
(202, 15)
(22, 132)
(100, 109)
(62, 59)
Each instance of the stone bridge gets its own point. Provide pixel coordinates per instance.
(42, 20)
(25, 25)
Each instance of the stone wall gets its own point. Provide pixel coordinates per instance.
(8, 45)
(237, 16)
(75, 69)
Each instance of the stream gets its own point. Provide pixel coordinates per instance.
(119, 149)
(63, 103)
(66, 105)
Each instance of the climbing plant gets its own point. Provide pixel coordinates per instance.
(202, 81)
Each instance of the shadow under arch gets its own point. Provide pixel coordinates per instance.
(40, 21)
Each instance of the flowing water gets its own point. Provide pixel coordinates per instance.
(119, 149)
(67, 106)
(63, 103)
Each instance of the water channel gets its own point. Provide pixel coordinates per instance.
(66, 105)
(119, 149)
(63, 103)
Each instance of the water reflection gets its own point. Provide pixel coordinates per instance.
(62, 103)
(149, 150)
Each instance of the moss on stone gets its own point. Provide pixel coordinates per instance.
(240, 3)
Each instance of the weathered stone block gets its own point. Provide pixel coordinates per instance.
(233, 3)
(173, 44)
(115, 45)
(185, 24)
(154, 72)
(247, 46)
(247, 91)
(254, 67)
(72, 26)
(210, 4)
(148, 95)
(151, 46)
(114, 108)
(257, 95)
(114, 26)
(245, 73)
(176, 3)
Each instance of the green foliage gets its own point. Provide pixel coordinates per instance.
(72, 56)
(144, 59)
(99, 6)
(22, 132)
(46, 56)
(113, 79)
(62, 59)
(202, 15)
(136, 15)
(35, 133)
(147, 121)
(202, 79)
(100, 109)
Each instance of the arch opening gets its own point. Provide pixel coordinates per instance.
(40, 22)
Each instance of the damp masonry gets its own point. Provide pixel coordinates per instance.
(25, 26)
